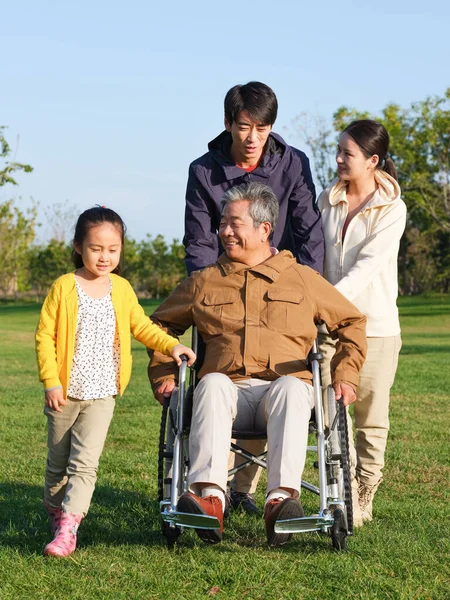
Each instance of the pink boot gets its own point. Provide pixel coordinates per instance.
(55, 516)
(66, 536)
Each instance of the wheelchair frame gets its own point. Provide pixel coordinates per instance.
(334, 517)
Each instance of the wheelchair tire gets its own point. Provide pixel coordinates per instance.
(171, 534)
(163, 455)
(339, 449)
(339, 530)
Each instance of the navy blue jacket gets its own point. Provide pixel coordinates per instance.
(285, 169)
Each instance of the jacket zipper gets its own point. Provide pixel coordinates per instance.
(342, 240)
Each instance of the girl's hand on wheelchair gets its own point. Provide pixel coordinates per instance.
(179, 350)
(344, 391)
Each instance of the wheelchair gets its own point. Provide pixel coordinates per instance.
(334, 516)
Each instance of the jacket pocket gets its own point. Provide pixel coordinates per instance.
(222, 311)
(287, 365)
(285, 311)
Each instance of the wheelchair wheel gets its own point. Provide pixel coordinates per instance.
(170, 533)
(339, 530)
(165, 455)
(339, 463)
(166, 440)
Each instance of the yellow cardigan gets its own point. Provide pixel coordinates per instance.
(55, 335)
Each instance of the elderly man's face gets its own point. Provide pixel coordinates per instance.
(242, 241)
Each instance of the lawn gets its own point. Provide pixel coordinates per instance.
(403, 554)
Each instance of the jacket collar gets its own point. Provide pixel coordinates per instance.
(220, 149)
(271, 268)
(388, 190)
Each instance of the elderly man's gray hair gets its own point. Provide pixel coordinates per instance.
(263, 207)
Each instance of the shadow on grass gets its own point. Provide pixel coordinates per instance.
(242, 533)
(116, 517)
(423, 349)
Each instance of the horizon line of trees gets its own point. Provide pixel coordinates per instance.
(153, 267)
(420, 148)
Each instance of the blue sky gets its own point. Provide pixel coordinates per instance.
(111, 101)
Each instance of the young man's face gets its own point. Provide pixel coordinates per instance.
(249, 139)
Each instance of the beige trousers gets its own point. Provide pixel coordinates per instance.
(371, 409)
(76, 437)
(282, 407)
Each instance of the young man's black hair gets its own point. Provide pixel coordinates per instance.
(256, 98)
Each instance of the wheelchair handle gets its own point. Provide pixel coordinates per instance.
(183, 357)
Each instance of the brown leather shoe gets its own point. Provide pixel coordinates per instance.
(278, 509)
(210, 505)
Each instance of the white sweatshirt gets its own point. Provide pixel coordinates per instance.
(363, 267)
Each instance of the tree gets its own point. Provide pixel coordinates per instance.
(47, 263)
(17, 228)
(60, 220)
(9, 166)
(17, 231)
(160, 269)
(130, 262)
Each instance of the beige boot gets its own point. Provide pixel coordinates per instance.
(357, 516)
(366, 494)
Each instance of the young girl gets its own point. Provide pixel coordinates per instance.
(84, 355)
(363, 219)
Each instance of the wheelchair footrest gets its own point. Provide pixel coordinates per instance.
(190, 520)
(301, 524)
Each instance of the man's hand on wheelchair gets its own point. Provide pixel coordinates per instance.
(165, 390)
(345, 391)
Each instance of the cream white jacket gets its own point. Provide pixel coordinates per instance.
(363, 266)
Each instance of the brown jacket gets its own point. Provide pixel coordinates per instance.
(261, 321)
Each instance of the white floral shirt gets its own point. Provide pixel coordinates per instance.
(96, 359)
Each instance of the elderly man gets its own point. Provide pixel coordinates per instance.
(257, 310)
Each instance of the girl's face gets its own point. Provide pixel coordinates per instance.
(100, 249)
(352, 163)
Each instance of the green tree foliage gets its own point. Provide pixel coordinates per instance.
(130, 262)
(17, 231)
(152, 266)
(9, 167)
(46, 264)
(17, 227)
(159, 267)
(420, 148)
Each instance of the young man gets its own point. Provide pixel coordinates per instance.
(248, 151)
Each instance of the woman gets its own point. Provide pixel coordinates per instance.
(363, 219)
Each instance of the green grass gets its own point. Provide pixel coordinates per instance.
(403, 554)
